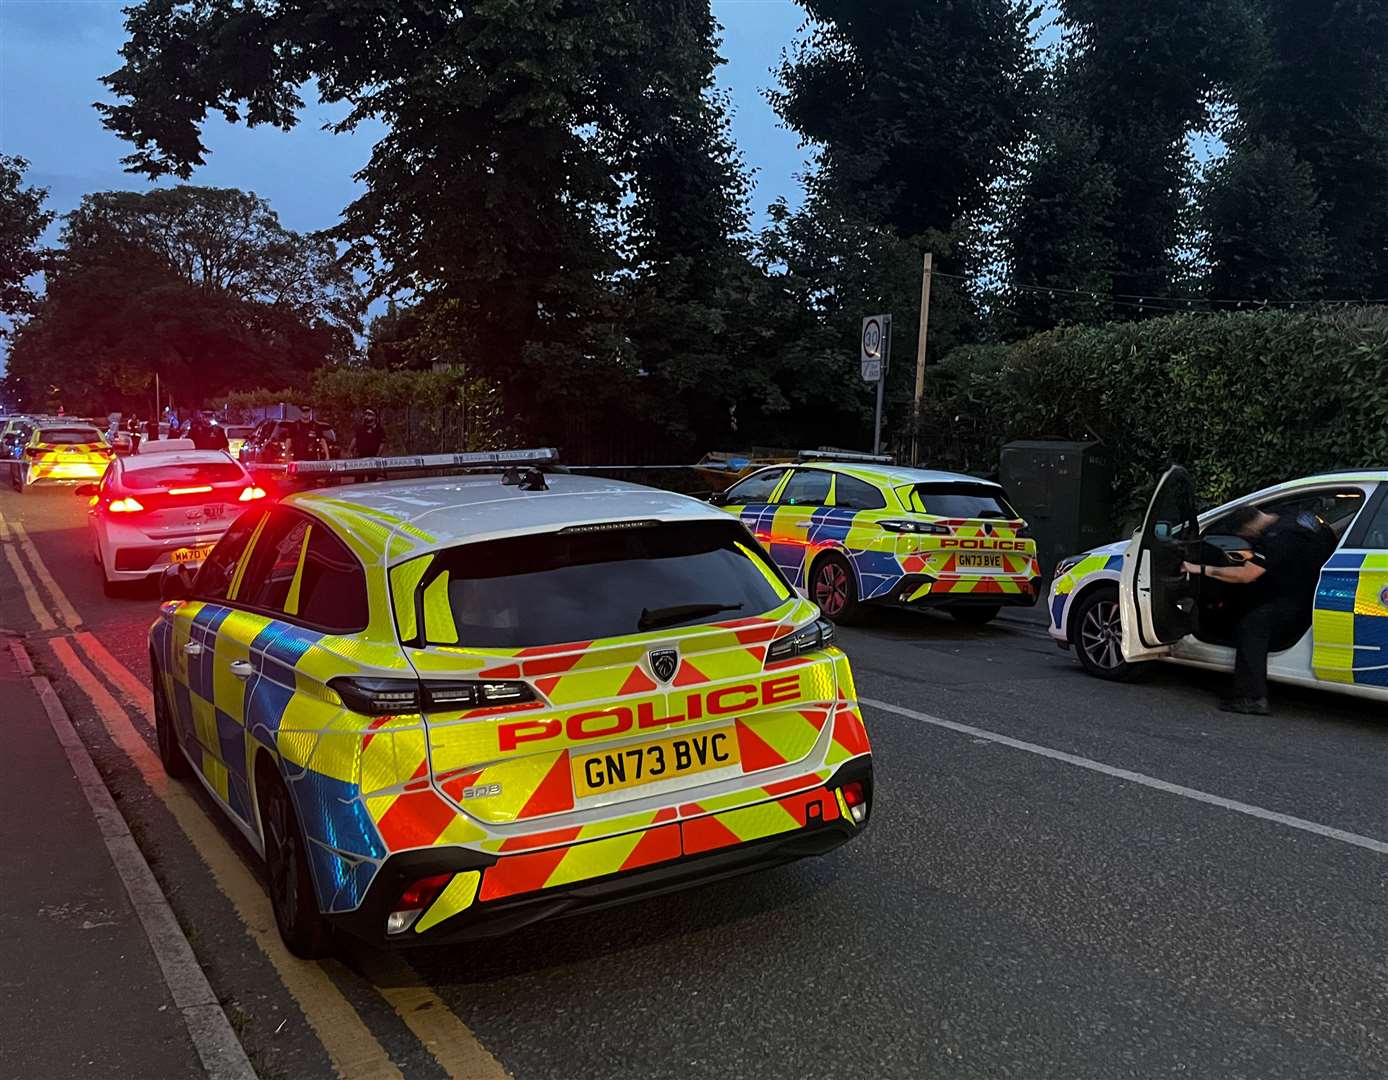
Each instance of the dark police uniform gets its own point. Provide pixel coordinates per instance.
(1291, 553)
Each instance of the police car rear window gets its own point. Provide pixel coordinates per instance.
(68, 436)
(548, 588)
(959, 501)
(160, 477)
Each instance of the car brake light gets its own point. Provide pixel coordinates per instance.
(818, 635)
(930, 528)
(191, 490)
(127, 505)
(251, 493)
(855, 800)
(414, 901)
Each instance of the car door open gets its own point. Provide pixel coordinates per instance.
(1157, 599)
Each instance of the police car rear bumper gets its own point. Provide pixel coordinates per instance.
(494, 918)
(960, 592)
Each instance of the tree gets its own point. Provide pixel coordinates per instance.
(1317, 104)
(1262, 225)
(913, 104)
(202, 286)
(1132, 80)
(22, 221)
(551, 177)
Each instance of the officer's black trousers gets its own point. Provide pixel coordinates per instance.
(1270, 622)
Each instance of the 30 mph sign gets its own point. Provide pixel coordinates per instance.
(874, 336)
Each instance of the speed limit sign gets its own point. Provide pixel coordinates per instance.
(874, 333)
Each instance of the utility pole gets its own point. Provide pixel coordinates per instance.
(926, 270)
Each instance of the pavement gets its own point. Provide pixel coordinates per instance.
(1063, 878)
(81, 993)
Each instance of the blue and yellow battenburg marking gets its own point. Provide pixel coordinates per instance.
(368, 787)
(1350, 622)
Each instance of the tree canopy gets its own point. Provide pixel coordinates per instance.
(22, 221)
(202, 286)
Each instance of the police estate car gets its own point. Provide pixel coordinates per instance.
(850, 534)
(446, 707)
(1130, 601)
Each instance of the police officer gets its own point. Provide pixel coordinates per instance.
(369, 436)
(1280, 581)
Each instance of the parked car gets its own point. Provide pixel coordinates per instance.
(1129, 602)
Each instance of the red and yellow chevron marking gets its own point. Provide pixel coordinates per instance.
(561, 865)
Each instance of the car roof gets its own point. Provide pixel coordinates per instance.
(176, 457)
(405, 518)
(892, 475)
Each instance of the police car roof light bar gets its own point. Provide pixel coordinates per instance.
(845, 455)
(472, 462)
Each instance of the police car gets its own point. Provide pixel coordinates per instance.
(61, 452)
(446, 707)
(1130, 602)
(850, 533)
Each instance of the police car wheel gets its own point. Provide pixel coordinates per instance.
(1098, 635)
(170, 756)
(832, 587)
(305, 932)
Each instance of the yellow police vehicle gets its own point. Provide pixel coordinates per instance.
(850, 532)
(446, 706)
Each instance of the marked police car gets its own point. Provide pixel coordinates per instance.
(850, 533)
(1130, 602)
(446, 707)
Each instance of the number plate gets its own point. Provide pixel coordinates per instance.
(972, 560)
(661, 759)
(183, 555)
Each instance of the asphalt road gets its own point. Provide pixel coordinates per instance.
(1011, 912)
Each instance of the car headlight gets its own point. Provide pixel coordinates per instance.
(1067, 564)
(817, 635)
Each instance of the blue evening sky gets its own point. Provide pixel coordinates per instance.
(52, 52)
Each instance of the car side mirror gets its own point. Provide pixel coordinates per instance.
(176, 583)
(718, 498)
(87, 491)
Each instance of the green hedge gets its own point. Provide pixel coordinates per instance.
(1242, 400)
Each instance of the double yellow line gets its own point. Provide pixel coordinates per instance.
(350, 1045)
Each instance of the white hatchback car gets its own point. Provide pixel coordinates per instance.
(165, 505)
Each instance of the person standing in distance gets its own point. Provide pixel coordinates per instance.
(369, 437)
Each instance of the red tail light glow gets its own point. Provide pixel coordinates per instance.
(127, 505)
(413, 902)
(250, 494)
(190, 490)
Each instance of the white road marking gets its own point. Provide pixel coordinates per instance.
(1327, 831)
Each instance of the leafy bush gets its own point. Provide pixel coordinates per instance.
(1242, 400)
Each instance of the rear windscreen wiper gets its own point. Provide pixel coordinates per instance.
(677, 613)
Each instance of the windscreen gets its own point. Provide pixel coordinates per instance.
(547, 588)
(68, 436)
(191, 473)
(960, 501)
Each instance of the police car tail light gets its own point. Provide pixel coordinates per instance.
(451, 694)
(414, 901)
(127, 505)
(251, 493)
(377, 697)
(929, 528)
(856, 801)
(818, 635)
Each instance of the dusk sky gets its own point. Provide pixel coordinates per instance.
(53, 52)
